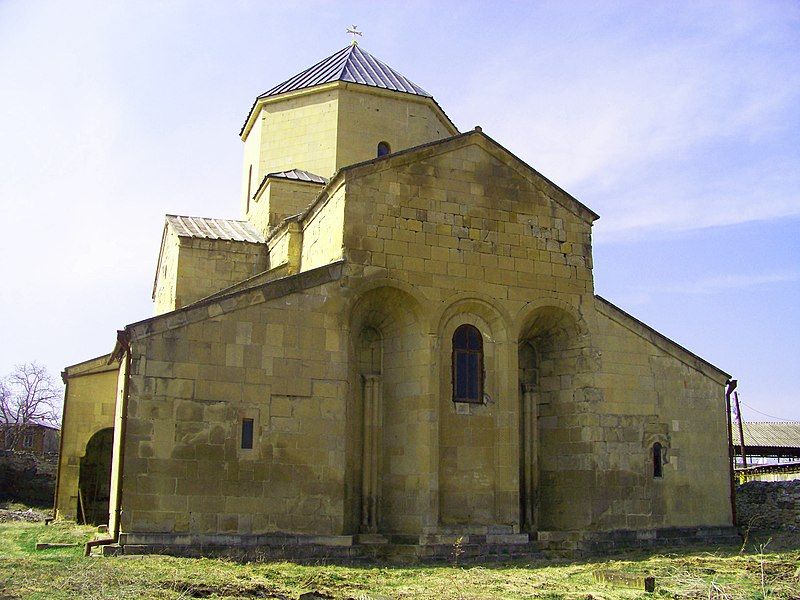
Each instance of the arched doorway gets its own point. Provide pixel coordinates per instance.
(94, 483)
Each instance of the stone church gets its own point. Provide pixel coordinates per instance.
(398, 345)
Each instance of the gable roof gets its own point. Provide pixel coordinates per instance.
(565, 199)
(205, 228)
(350, 64)
(214, 229)
(298, 175)
(772, 434)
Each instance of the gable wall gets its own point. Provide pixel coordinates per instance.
(482, 243)
(88, 408)
(193, 268)
(466, 221)
(165, 292)
(281, 198)
(651, 396)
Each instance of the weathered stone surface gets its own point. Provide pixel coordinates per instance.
(312, 400)
(769, 505)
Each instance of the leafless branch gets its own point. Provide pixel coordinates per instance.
(28, 396)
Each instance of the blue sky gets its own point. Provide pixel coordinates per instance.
(677, 122)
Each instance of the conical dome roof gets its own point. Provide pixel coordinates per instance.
(349, 64)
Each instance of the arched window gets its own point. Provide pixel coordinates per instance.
(658, 470)
(467, 364)
(383, 149)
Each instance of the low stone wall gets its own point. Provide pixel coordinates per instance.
(28, 478)
(769, 505)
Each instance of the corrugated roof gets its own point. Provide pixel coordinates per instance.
(349, 64)
(767, 433)
(214, 229)
(299, 175)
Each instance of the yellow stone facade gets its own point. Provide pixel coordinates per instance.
(91, 392)
(333, 338)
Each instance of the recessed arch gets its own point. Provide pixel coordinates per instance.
(551, 352)
(469, 432)
(390, 294)
(383, 149)
(390, 363)
(94, 478)
(548, 314)
(495, 317)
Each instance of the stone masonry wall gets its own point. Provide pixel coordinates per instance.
(190, 388)
(649, 396)
(28, 478)
(769, 505)
(481, 239)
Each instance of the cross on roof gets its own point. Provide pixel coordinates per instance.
(354, 32)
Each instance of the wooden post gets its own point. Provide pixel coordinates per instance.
(741, 429)
(80, 504)
(729, 390)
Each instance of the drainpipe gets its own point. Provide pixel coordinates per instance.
(123, 345)
(731, 385)
(742, 450)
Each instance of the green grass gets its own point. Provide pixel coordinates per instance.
(65, 573)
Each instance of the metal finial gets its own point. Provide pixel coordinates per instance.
(354, 32)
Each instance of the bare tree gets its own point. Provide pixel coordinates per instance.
(28, 396)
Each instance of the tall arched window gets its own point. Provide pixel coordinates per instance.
(658, 470)
(383, 149)
(467, 364)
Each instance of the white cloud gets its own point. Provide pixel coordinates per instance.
(616, 113)
(727, 282)
(638, 296)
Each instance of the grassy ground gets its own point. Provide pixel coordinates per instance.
(65, 573)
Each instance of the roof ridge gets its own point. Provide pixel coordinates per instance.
(354, 64)
(215, 228)
(348, 55)
(351, 64)
(210, 218)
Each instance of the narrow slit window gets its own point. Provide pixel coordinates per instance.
(467, 364)
(249, 183)
(383, 149)
(247, 434)
(658, 470)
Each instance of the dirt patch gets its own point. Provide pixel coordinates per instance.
(29, 515)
